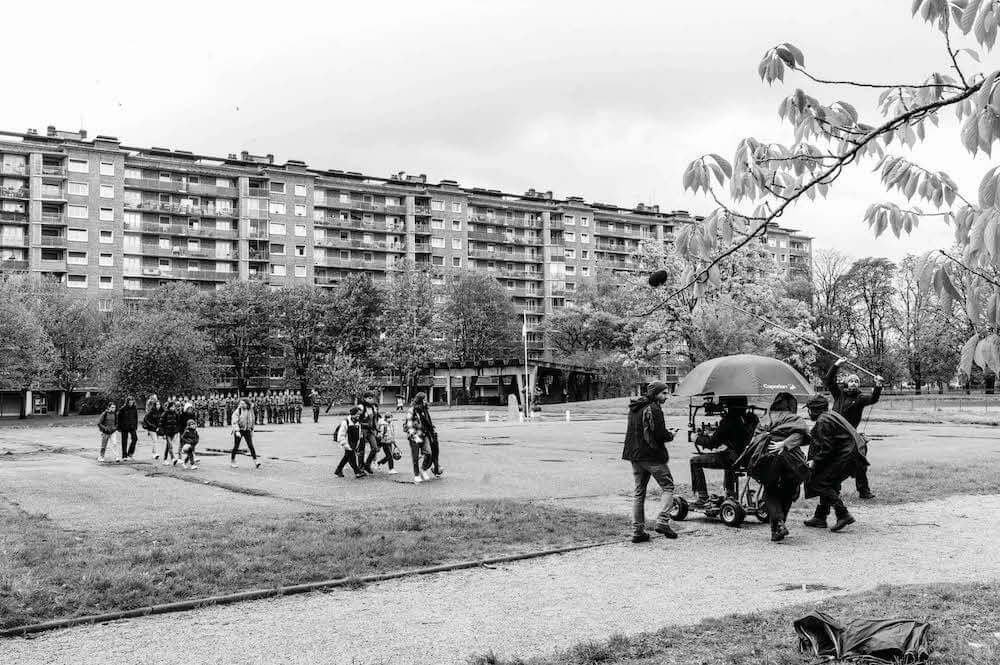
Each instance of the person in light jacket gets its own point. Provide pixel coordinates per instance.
(107, 424)
(243, 421)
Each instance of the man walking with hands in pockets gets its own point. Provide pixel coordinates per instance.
(646, 449)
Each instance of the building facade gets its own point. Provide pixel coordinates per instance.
(116, 222)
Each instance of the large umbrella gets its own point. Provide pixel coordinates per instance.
(756, 377)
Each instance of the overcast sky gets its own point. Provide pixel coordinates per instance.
(606, 100)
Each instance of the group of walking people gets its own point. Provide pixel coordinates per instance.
(366, 432)
(770, 450)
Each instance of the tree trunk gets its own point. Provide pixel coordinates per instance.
(65, 407)
(989, 381)
(305, 395)
(917, 376)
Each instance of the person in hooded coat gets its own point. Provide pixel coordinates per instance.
(774, 459)
(646, 448)
(850, 402)
(834, 456)
(128, 426)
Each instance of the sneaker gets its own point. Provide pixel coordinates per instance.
(439, 472)
(193, 467)
(100, 458)
(393, 472)
(815, 522)
(234, 465)
(640, 538)
(155, 456)
(666, 531)
(417, 480)
(426, 474)
(842, 522)
(360, 474)
(166, 462)
(368, 469)
(256, 463)
(185, 465)
(339, 474)
(175, 461)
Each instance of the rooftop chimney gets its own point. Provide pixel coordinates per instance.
(50, 130)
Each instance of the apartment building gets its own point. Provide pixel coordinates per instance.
(115, 222)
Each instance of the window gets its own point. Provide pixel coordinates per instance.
(76, 258)
(570, 236)
(569, 253)
(79, 166)
(345, 255)
(437, 242)
(132, 284)
(367, 238)
(133, 173)
(107, 191)
(194, 245)
(76, 281)
(319, 216)
(106, 282)
(277, 187)
(132, 198)
(107, 215)
(77, 235)
(456, 225)
(277, 249)
(106, 237)
(276, 208)
(79, 212)
(437, 205)
(585, 271)
(223, 182)
(437, 224)
(165, 265)
(164, 243)
(456, 243)
(570, 270)
(437, 260)
(300, 210)
(584, 221)
(367, 257)
(456, 206)
(107, 168)
(300, 271)
(193, 266)
(106, 260)
(300, 250)
(569, 220)
(345, 197)
(276, 228)
(222, 266)
(585, 237)
(278, 270)
(300, 230)
(78, 188)
(584, 253)
(456, 261)
(300, 190)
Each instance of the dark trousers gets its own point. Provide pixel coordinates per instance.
(246, 435)
(416, 450)
(315, 414)
(298, 414)
(350, 458)
(267, 412)
(861, 482)
(829, 498)
(128, 435)
(367, 438)
(704, 461)
(779, 497)
(386, 448)
(435, 453)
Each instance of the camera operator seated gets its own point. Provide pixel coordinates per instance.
(730, 438)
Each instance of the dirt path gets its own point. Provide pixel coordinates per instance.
(536, 606)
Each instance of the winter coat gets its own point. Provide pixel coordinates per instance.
(647, 435)
(834, 449)
(128, 418)
(170, 423)
(851, 405)
(734, 432)
(108, 422)
(418, 423)
(151, 419)
(368, 418)
(243, 419)
(786, 465)
(189, 436)
(347, 434)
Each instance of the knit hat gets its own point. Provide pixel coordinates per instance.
(654, 389)
(818, 403)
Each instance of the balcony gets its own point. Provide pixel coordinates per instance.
(525, 293)
(258, 234)
(555, 224)
(258, 192)
(134, 294)
(53, 170)
(180, 230)
(180, 209)
(422, 210)
(53, 218)
(326, 280)
(358, 264)
(260, 255)
(181, 187)
(52, 194)
(52, 265)
(12, 216)
(52, 241)
(257, 214)
(13, 192)
(422, 247)
(515, 274)
(151, 249)
(211, 275)
(13, 264)
(615, 247)
(13, 169)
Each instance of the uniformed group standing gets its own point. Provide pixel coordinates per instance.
(274, 407)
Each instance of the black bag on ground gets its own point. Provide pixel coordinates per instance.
(887, 641)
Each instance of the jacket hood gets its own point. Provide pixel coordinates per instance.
(638, 403)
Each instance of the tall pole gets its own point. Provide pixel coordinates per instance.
(524, 338)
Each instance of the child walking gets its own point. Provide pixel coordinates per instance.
(348, 435)
(107, 424)
(386, 435)
(169, 426)
(189, 439)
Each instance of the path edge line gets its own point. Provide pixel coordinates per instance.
(274, 592)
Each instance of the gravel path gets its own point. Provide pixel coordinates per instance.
(533, 607)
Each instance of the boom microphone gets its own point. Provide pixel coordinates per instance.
(658, 278)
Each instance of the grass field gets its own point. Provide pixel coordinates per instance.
(962, 617)
(47, 572)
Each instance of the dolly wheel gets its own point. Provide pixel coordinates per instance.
(731, 513)
(679, 509)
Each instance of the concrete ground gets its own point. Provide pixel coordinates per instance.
(518, 609)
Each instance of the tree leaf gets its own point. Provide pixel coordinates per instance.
(968, 355)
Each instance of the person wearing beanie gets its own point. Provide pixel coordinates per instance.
(646, 449)
(850, 402)
(834, 456)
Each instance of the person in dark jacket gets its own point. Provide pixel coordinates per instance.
(774, 459)
(834, 456)
(369, 424)
(736, 428)
(128, 426)
(107, 424)
(151, 422)
(189, 441)
(348, 435)
(168, 428)
(850, 402)
(646, 449)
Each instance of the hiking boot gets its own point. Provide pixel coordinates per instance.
(666, 531)
(778, 532)
(640, 538)
(842, 521)
(816, 522)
